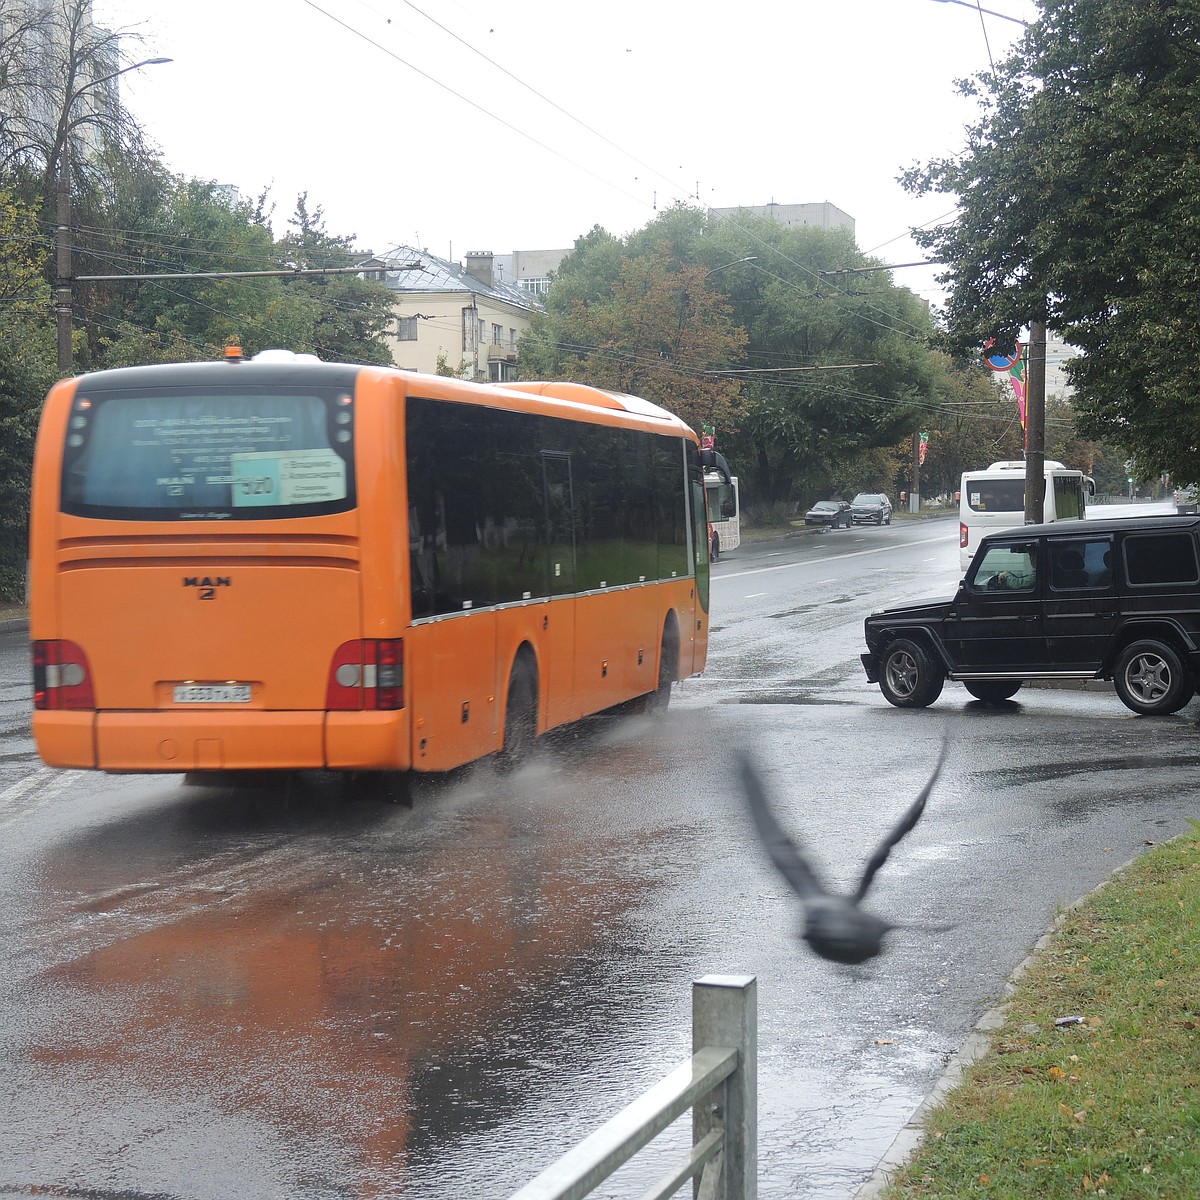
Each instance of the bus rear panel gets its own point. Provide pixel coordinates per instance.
(228, 571)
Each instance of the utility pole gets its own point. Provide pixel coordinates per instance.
(62, 263)
(914, 491)
(64, 282)
(1035, 425)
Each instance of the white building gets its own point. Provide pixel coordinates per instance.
(38, 39)
(463, 315)
(815, 216)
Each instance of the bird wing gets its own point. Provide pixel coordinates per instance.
(903, 826)
(784, 854)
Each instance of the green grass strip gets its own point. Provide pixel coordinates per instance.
(1109, 1106)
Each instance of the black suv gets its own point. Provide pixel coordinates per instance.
(1094, 599)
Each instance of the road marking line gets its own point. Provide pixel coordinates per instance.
(829, 558)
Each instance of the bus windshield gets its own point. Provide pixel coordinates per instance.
(174, 454)
(995, 495)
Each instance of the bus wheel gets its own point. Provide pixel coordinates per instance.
(659, 700)
(993, 691)
(1151, 679)
(714, 551)
(520, 715)
(909, 677)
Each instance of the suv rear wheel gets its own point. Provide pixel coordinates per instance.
(908, 676)
(1151, 679)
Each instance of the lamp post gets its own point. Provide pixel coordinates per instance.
(63, 287)
(734, 263)
(990, 12)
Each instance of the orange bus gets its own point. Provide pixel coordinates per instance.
(282, 563)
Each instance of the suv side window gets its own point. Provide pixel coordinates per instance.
(1158, 558)
(1007, 568)
(1080, 563)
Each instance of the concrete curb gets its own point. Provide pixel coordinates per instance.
(976, 1045)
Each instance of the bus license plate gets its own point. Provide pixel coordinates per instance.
(212, 693)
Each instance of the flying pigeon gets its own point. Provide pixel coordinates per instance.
(834, 926)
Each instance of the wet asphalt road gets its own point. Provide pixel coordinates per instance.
(210, 993)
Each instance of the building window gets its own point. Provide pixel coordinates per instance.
(497, 335)
(406, 329)
(512, 338)
(539, 287)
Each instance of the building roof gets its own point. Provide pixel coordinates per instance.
(439, 275)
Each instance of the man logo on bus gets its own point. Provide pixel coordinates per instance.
(207, 584)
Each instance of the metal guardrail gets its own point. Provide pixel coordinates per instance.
(719, 1083)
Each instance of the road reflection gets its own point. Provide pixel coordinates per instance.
(373, 985)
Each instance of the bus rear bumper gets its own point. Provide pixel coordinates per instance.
(222, 741)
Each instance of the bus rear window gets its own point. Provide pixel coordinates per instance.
(174, 455)
(996, 495)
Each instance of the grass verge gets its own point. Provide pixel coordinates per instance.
(1105, 1106)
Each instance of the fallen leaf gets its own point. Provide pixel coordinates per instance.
(1057, 1073)
(885, 1041)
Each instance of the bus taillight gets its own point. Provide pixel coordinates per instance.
(389, 674)
(367, 674)
(963, 535)
(60, 676)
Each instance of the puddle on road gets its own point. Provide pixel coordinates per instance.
(377, 991)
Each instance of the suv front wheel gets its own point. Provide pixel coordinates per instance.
(1151, 678)
(908, 676)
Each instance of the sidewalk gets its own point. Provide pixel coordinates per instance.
(14, 618)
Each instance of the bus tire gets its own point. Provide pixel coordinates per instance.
(908, 675)
(1151, 678)
(659, 700)
(993, 691)
(520, 714)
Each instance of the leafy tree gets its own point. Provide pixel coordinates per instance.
(350, 314)
(713, 317)
(27, 360)
(838, 360)
(974, 421)
(658, 332)
(1079, 204)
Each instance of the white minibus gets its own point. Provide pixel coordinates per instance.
(995, 499)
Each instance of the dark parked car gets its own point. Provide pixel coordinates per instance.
(871, 507)
(1113, 599)
(831, 513)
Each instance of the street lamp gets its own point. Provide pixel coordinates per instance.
(990, 12)
(734, 263)
(63, 289)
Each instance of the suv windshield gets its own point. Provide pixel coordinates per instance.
(866, 498)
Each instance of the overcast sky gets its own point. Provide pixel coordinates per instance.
(414, 123)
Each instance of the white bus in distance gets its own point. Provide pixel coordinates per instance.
(724, 513)
(994, 499)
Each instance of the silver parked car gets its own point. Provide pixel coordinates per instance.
(871, 508)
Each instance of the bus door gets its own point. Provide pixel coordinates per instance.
(558, 641)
